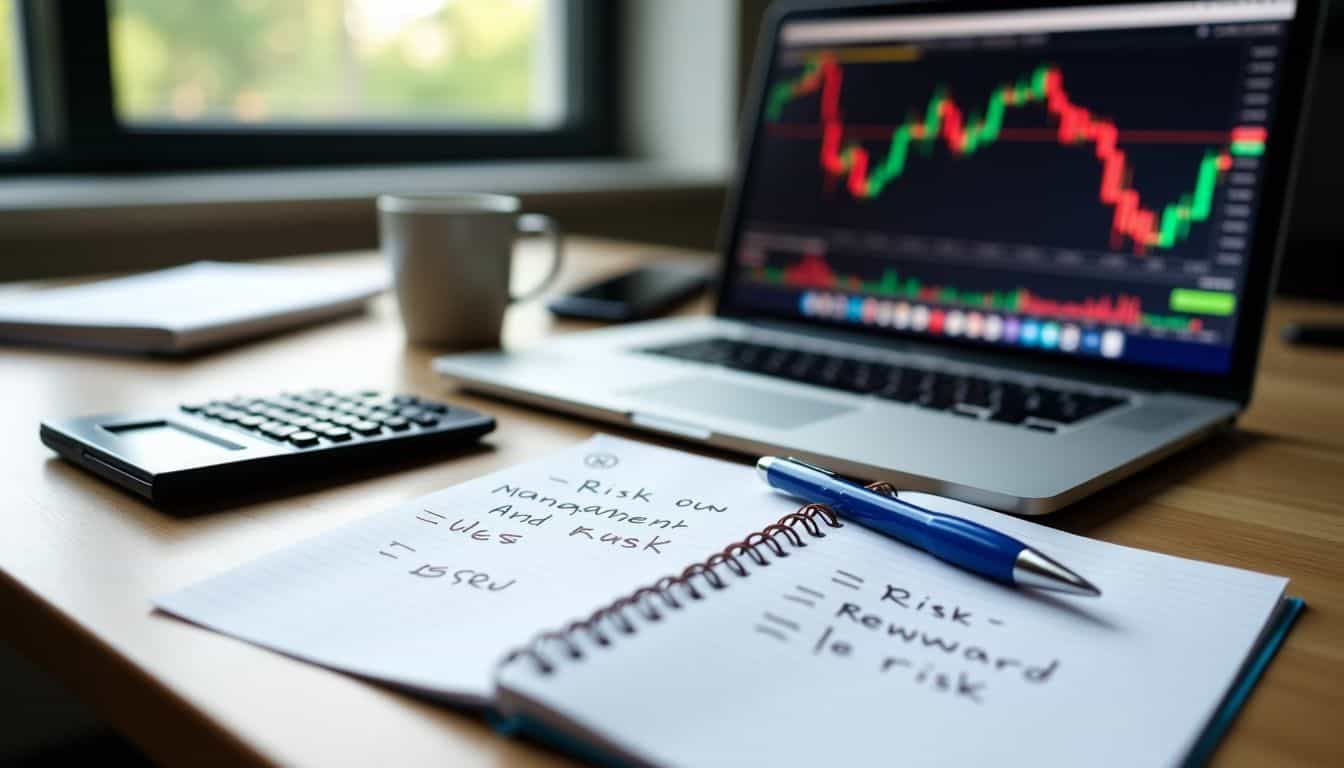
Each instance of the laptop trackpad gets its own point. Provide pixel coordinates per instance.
(739, 401)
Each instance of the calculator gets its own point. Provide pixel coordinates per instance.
(202, 452)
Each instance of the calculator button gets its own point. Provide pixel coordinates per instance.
(433, 407)
(396, 423)
(280, 431)
(366, 427)
(425, 419)
(409, 413)
(231, 416)
(301, 421)
(251, 421)
(337, 434)
(345, 419)
(303, 439)
(405, 399)
(193, 407)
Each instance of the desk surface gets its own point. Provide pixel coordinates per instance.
(79, 560)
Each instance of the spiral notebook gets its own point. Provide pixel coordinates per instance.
(817, 642)
(808, 642)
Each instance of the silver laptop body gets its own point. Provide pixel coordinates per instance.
(849, 360)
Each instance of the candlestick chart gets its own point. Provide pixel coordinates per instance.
(866, 175)
(1034, 135)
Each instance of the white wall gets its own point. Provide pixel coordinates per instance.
(679, 90)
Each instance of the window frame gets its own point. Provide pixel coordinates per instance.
(74, 127)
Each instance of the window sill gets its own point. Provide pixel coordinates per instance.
(70, 224)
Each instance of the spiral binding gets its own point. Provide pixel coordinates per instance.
(644, 602)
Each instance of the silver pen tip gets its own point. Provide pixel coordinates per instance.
(762, 465)
(1034, 569)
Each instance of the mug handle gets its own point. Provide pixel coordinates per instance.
(541, 224)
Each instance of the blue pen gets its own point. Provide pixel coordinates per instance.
(956, 540)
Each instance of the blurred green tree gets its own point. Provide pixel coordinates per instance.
(11, 110)
(277, 60)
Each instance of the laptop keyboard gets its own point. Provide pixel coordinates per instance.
(1006, 401)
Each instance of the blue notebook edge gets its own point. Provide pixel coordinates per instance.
(520, 725)
(1251, 672)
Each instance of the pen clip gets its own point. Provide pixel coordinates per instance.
(802, 463)
(881, 487)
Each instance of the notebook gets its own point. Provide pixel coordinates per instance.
(810, 641)
(186, 308)
(817, 642)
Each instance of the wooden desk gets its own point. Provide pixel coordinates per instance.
(79, 560)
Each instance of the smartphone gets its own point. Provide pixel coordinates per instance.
(636, 295)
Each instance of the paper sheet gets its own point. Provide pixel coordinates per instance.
(184, 307)
(430, 594)
(195, 295)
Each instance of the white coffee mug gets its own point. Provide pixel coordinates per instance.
(451, 256)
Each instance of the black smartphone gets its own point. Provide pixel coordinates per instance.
(636, 295)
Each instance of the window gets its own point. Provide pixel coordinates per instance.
(129, 85)
(13, 120)
(288, 61)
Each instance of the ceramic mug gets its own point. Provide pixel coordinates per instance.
(451, 256)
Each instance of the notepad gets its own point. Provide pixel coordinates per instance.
(822, 645)
(186, 308)
(643, 605)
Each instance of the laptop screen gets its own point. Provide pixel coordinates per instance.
(1079, 181)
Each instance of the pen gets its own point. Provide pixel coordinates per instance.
(956, 540)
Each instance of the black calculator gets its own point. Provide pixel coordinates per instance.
(206, 451)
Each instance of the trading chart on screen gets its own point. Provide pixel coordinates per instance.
(1081, 188)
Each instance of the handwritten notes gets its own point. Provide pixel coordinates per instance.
(909, 635)
(856, 649)
(429, 594)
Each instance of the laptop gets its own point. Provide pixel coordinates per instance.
(1004, 252)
